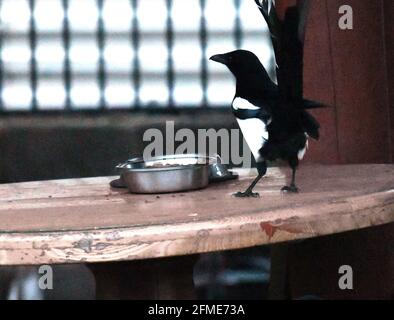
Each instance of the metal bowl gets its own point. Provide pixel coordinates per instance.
(165, 174)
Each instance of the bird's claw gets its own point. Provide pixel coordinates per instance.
(247, 194)
(290, 189)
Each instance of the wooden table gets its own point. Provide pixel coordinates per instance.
(84, 221)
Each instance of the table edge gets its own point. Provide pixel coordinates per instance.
(135, 243)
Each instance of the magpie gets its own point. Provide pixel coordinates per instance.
(273, 117)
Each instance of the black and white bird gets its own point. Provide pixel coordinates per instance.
(273, 118)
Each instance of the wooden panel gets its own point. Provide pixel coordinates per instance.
(82, 220)
(147, 279)
(348, 70)
(352, 70)
(360, 86)
(389, 33)
(314, 265)
(318, 84)
(318, 80)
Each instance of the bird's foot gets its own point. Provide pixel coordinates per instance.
(246, 194)
(291, 189)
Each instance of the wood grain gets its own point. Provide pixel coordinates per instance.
(359, 73)
(388, 11)
(83, 220)
(319, 84)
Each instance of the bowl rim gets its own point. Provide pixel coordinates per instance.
(209, 160)
(173, 156)
(161, 169)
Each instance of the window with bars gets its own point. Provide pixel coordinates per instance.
(112, 54)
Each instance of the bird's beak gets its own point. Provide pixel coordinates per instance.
(221, 58)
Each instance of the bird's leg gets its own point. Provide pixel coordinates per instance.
(249, 191)
(292, 188)
(262, 169)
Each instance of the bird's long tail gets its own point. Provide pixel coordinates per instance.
(310, 125)
(288, 36)
(310, 104)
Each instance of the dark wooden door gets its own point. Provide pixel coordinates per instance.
(353, 71)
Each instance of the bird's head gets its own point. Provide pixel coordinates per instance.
(242, 63)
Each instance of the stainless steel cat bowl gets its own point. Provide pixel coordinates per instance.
(165, 174)
(174, 173)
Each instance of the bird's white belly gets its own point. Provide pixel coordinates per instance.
(255, 133)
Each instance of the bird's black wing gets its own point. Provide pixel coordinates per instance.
(267, 9)
(309, 124)
(261, 108)
(288, 36)
(304, 6)
(290, 60)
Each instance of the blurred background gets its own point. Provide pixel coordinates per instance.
(81, 81)
(73, 55)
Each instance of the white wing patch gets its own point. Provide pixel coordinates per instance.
(243, 104)
(271, 4)
(301, 153)
(255, 134)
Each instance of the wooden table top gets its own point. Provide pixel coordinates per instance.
(83, 220)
